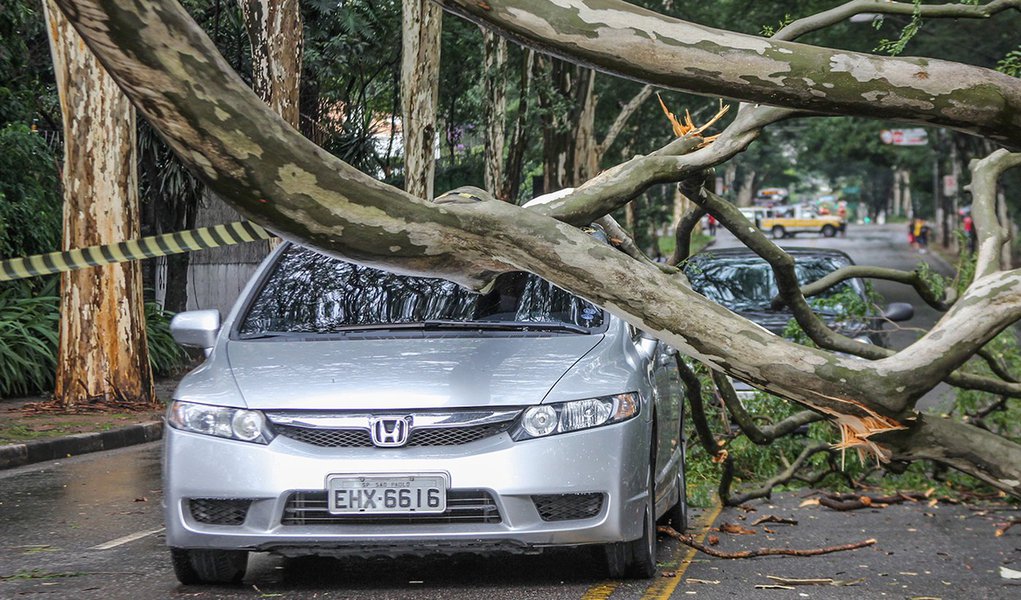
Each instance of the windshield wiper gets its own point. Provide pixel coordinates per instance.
(261, 335)
(506, 326)
(436, 324)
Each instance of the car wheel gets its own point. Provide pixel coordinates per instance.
(829, 231)
(209, 566)
(636, 559)
(779, 232)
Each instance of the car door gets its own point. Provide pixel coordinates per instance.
(669, 407)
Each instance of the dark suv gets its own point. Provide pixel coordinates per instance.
(740, 280)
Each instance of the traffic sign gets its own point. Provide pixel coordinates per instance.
(905, 137)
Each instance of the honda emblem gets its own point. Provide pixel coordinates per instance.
(390, 432)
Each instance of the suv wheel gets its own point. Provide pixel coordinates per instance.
(636, 559)
(779, 232)
(209, 566)
(829, 231)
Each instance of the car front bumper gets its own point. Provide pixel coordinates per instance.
(610, 460)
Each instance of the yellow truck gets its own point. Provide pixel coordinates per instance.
(785, 224)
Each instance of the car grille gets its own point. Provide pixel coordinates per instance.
(567, 507)
(463, 506)
(219, 511)
(360, 438)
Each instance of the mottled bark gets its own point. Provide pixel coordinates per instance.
(420, 76)
(275, 33)
(636, 43)
(102, 354)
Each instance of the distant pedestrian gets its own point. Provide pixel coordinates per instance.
(712, 225)
(911, 234)
(922, 236)
(969, 230)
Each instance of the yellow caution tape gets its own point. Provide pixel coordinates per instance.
(203, 238)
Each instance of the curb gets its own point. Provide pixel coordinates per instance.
(16, 455)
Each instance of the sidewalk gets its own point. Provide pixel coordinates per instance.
(27, 438)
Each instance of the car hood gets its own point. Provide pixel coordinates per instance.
(776, 321)
(403, 373)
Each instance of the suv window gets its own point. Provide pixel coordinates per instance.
(748, 284)
(307, 292)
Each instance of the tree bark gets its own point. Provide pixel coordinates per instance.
(511, 184)
(494, 110)
(275, 33)
(420, 75)
(636, 43)
(102, 354)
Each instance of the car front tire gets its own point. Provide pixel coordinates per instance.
(636, 559)
(829, 231)
(779, 232)
(209, 566)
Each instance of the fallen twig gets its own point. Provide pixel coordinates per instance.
(774, 519)
(688, 540)
(855, 502)
(1000, 531)
(826, 581)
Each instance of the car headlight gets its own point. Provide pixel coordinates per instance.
(219, 421)
(564, 417)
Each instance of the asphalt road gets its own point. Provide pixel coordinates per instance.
(90, 527)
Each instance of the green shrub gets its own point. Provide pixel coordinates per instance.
(29, 325)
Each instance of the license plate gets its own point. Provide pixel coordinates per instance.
(386, 494)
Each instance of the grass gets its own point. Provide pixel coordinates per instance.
(41, 427)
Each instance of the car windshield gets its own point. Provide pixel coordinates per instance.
(747, 284)
(308, 292)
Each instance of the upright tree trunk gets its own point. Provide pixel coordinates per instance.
(276, 36)
(587, 152)
(103, 354)
(275, 33)
(494, 108)
(420, 75)
(511, 185)
(746, 188)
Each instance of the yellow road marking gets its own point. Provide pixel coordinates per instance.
(664, 587)
(601, 591)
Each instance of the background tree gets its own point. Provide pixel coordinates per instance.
(420, 67)
(103, 353)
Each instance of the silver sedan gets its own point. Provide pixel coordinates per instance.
(344, 410)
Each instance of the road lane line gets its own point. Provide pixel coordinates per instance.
(601, 591)
(665, 586)
(128, 538)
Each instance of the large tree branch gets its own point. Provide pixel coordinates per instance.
(980, 453)
(759, 435)
(991, 233)
(931, 11)
(912, 278)
(639, 44)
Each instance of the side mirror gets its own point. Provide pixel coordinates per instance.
(196, 328)
(646, 345)
(899, 311)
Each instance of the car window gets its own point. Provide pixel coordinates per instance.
(748, 284)
(308, 292)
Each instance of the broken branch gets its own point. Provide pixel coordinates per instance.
(690, 541)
